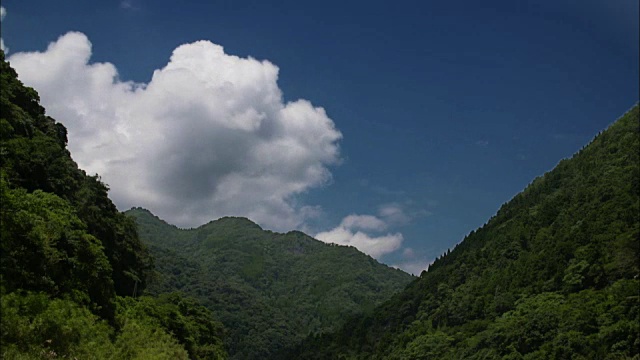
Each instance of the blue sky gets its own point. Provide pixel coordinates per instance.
(436, 113)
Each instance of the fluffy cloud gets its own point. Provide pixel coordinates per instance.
(208, 136)
(371, 235)
(375, 246)
(362, 231)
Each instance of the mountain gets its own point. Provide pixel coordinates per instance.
(70, 261)
(553, 275)
(270, 290)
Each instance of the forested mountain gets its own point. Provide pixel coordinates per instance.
(270, 290)
(70, 262)
(553, 275)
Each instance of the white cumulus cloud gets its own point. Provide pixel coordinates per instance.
(371, 235)
(363, 232)
(376, 246)
(208, 136)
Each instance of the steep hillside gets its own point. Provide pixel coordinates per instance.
(553, 275)
(270, 290)
(70, 261)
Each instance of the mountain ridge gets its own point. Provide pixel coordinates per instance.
(269, 289)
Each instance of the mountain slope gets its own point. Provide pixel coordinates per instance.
(69, 260)
(554, 274)
(269, 289)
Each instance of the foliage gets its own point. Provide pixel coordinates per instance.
(141, 341)
(188, 322)
(270, 290)
(35, 158)
(36, 327)
(67, 252)
(45, 247)
(553, 275)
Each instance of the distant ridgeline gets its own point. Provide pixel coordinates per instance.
(553, 275)
(70, 262)
(270, 290)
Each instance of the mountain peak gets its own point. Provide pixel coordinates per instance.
(291, 282)
(235, 221)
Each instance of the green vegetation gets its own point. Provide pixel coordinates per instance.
(553, 275)
(270, 290)
(70, 262)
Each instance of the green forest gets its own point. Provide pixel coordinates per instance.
(270, 290)
(553, 275)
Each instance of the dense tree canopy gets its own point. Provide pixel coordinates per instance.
(35, 158)
(269, 289)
